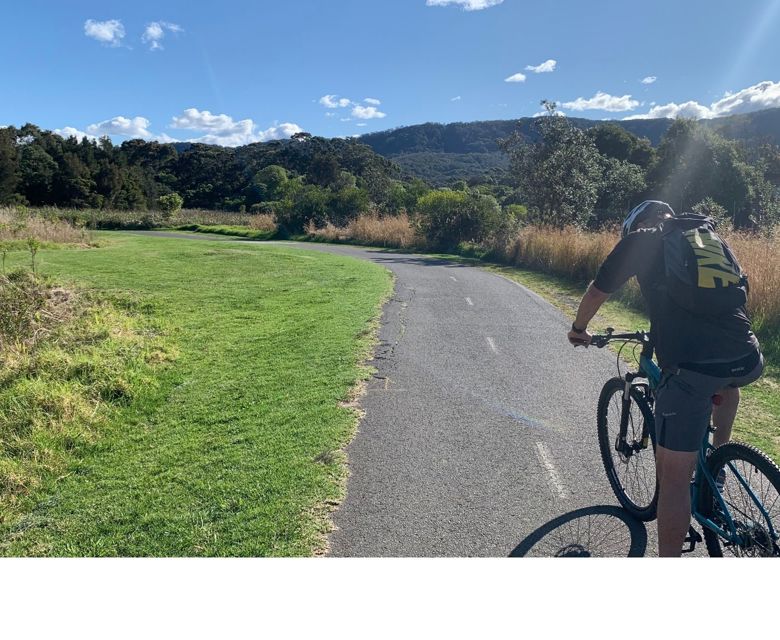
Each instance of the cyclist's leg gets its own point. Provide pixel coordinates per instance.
(674, 470)
(683, 407)
(723, 415)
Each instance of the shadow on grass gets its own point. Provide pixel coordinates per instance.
(592, 532)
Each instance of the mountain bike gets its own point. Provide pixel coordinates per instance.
(735, 491)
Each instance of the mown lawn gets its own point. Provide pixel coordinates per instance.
(237, 450)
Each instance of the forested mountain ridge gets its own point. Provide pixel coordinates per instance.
(441, 153)
(481, 136)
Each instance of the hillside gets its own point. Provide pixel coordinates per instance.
(440, 153)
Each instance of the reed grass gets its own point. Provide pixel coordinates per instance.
(17, 226)
(372, 230)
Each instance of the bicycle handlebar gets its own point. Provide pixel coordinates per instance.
(600, 341)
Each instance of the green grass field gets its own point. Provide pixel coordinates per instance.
(236, 450)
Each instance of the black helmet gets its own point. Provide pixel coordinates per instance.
(645, 211)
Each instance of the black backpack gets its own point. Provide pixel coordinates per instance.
(702, 274)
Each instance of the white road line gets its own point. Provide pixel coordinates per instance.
(453, 278)
(555, 480)
(471, 304)
(492, 345)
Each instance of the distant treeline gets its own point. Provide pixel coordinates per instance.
(40, 168)
(552, 171)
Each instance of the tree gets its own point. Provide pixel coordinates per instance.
(693, 164)
(615, 142)
(559, 175)
(268, 183)
(622, 185)
(9, 174)
(37, 169)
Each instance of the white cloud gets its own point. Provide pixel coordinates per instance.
(279, 132)
(221, 129)
(334, 102)
(361, 124)
(108, 32)
(763, 95)
(468, 5)
(137, 127)
(456, 99)
(518, 77)
(155, 32)
(346, 119)
(366, 113)
(546, 67)
(68, 132)
(373, 101)
(689, 109)
(539, 114)
(649, 80)
(603, 102)
(330, 114)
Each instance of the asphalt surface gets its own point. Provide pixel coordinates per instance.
(479, 434)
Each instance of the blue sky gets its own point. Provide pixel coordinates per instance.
(234, 72)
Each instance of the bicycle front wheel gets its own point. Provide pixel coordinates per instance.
(628, 453)
(751, 492)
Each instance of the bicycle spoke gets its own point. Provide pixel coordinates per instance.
(751, 523)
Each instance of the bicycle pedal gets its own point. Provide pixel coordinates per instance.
(693, 538)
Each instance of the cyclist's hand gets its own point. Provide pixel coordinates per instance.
(580, 339)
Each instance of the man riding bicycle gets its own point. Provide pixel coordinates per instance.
(702, 338)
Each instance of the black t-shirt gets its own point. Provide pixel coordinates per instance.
(678, 335)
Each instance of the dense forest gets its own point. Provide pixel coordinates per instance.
(551, 169)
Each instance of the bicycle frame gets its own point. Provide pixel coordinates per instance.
(651, 371)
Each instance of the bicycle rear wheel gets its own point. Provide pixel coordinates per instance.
(758, 530)
(629, 458)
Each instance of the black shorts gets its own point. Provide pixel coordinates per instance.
(683, 404)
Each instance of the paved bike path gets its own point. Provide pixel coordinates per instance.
(479, 433)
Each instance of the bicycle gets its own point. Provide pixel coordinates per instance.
(741, 516)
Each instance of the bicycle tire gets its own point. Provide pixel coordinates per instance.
(764, 480)
(640, 498)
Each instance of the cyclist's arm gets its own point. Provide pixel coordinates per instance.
(619, 267)
(591, 302)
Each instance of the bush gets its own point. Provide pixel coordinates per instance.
(448, 218)
(170, 204)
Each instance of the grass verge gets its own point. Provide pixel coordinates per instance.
(236, 450)
(226, 230)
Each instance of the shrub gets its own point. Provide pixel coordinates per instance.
(448, 218)
(170, 203)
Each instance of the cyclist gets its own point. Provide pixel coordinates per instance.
(701, 354)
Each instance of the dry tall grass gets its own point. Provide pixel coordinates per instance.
(576, 255)
(371, 229)
(262, 222)
(760, 258)
(18, 226)
(116, 219)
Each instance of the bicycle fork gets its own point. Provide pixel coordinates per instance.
(622, 446)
